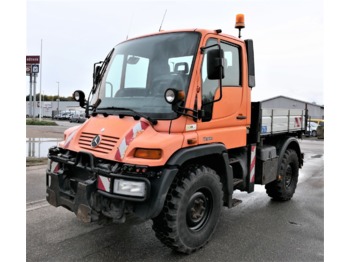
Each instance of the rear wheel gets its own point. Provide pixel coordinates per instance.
(284, 187)
(191, 210)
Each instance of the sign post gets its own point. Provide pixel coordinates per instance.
(32, 69)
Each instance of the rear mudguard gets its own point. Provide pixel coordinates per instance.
(289, 143)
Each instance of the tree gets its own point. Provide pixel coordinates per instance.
(49, 98)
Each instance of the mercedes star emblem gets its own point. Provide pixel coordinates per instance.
(95, 141)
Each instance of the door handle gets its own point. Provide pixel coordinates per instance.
(240, 117)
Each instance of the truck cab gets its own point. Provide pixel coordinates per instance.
(171, 133)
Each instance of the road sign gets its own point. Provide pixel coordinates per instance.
(32, 59)
(28, 69)
(35, 68)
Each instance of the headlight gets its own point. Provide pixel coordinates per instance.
(172, 96)
(130, 188)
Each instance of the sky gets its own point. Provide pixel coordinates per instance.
(72, 35)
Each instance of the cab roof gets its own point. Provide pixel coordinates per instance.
(200, 30)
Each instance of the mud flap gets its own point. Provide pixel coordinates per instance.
(51, 197)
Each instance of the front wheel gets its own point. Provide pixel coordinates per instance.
(191, 210)
(284, 187)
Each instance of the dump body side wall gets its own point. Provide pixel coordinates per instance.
(267, 122)
(276, 121)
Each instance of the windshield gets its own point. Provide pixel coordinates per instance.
(142, 69)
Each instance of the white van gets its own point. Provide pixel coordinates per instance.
(311, 129)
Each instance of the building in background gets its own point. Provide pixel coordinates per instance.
(51, 108)
(314, 111)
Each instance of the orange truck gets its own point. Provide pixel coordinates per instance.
(171, 135)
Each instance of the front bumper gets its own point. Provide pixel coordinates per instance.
(86, 186)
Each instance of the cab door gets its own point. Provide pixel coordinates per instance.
(225, 119)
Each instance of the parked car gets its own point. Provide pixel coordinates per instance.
(66, 116)
(77, 118)
(311, 129)
(63, 116)
(57, 116)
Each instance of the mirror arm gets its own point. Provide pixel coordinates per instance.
(220, 83)
(87, 106)
(183, 111)
(203, 48)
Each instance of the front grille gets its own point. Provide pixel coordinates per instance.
(106, 145)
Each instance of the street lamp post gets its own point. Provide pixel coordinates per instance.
(58, 97)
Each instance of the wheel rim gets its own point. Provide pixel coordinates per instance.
(199, 209)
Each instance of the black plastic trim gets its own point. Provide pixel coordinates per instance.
(186, 154)
(251, 66)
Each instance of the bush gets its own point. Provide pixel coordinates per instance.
(32, 161)
(41, 123)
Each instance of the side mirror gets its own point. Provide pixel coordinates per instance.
(79, 96)
(215, 65)
(96, 74)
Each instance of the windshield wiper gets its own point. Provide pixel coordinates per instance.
(135, 114)
(99, 71)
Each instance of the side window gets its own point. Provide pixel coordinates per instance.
(232, 76)
(232, 71)
(231, 65)
(208, 86)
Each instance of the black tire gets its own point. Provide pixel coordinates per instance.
(284, 187)
(191, 210)
(314, 133)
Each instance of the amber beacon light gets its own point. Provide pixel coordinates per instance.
(239, 23)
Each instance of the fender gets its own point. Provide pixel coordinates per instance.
(286, 143)
(185, 154)
(154, 206)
